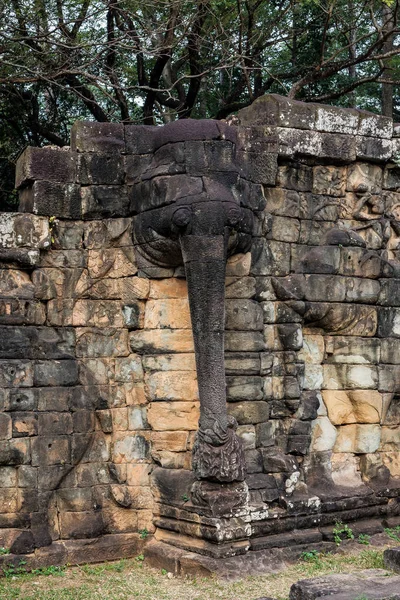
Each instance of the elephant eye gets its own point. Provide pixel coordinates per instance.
(182, 217)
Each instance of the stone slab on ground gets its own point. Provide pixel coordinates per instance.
(391, 558)
(259, 562)
(371, 584)
(75, 552)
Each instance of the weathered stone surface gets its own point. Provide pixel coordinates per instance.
(173, 385)
(23, 231)
(373, 583)
(176, 416)
(360, 439)
(50, 198)
(167, 314)
(353, 406)
(160, 341)
(89, 136)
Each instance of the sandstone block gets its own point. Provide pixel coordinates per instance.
(15, 452)
(23, 231)
(352, 350)
(244, 341)
(313, 376)
(167, 314)
(50, 450)
(112, 262)
(15, 284)
(77, 525)
(243, 315)
(353, 406)
(173, 441)
(24, 424)
(76, 499)
(390, 438)
(96, 371)
(364, 174)
(362, 290)
(240, 287)
(133, 287)
(173, 385)
(391, 461)
(312, 351)
(238, 265)
(359, 439)
(270, 258)
(338, 377)
(246, 363)
(295, 177)
(138, 474)
(250, 412)
(244, 388)
(323, 435)
(330, 181)
(5, 426)
(173, 416)
(169, 362)
(104, 201)
(247, 434)
(159, 341)
(16, 373)
(323, 287)
(90, 136)
(93, 343)
(51, 164)
(97, 313)
(284, 229)
(128, 369)
(55, 372)
(8, 477)
(137, 418)
(49, 198)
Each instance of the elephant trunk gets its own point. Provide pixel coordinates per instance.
(217, 453)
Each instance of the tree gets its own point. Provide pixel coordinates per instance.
(155, 61)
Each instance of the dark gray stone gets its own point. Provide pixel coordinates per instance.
(56, 372)
(37, 342)
(391, 559)
(373, 584)
(49, 198)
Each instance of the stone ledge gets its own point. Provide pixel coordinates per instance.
(73, 552)
(260, 562)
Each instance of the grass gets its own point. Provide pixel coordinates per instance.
(132, 579)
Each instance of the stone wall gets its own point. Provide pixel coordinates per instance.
(99, 396)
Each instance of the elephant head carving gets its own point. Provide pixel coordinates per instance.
(197, 213)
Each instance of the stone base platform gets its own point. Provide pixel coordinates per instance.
(181, 562)
(78, 552)
(371, 584)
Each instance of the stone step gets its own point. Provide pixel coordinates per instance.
(371, 584)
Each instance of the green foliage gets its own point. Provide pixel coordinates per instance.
(185, 498)
(365, 539)
(4, 551)
(140, 558)
(143, 533)
(393, 533)
(342, 531)
(15, 570)
(313, 556)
